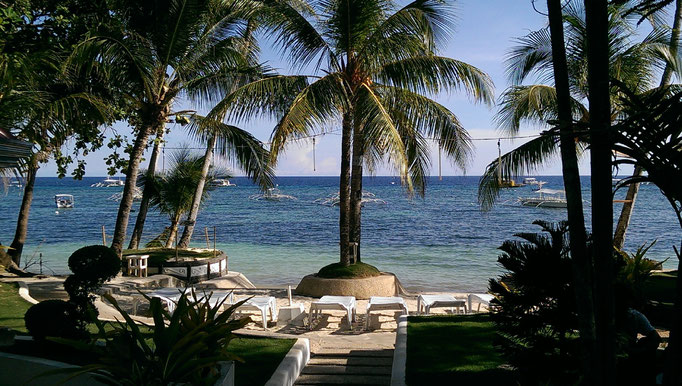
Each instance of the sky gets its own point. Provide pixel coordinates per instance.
(484, 32)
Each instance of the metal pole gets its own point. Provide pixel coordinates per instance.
(314, 169)
(440, 170)
(104, 236)
(208, 245)
(176, 245)
(214, 237)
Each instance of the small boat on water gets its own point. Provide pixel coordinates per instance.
(221, 182)
(533, 181)
(272, 194)
(137, 195)
(510, 184)
(64, 200)
(108, 183)
(546, 198)
(15, 183)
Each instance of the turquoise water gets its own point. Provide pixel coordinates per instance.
(442, 242)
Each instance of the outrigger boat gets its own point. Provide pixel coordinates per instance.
(546, 198)
(272, 194)
(221, 182)
(334, 199)
(64, 200)
(108, 183)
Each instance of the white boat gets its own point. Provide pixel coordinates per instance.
(221, 182)
(533, 181)
(272, 194)
(15, 183)
(137, 195)
(334, 199)
(546, 198)
(64, 200)
(108, 183)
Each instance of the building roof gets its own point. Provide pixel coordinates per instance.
(12, 150)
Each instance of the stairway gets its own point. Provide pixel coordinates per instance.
(348, 366)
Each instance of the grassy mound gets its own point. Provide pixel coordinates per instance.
(161, 255)
(353, 271)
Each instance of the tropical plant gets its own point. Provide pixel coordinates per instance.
(631, 62)
(635, 271)
(162, 50)
(186, 346)
(172, 192)
(534, 306)
(375, 66)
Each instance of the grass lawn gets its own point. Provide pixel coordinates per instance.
(339, 271)
(12, 307)
(454, 349)
(261, 357)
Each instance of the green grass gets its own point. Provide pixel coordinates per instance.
(160, 255)
(339, 271)
(12, 307)
(454, 350)
(261, 357)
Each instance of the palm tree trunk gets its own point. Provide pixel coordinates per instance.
(198, 194)
(173, 230)
(129, 187)
(631, 196)
(602, 200)
(356, 192)
(344, 190)
(144, 204)
(582, 266)
(22, 221)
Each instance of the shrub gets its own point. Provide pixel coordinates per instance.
(95, 263)
(54, 318)
(534, 309)
(186, 347)
(340, 271)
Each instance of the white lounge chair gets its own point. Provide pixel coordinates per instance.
(480, 299)
(262, 304)
(426, 302)
(171, 295)
(383, 303)
(327, 302)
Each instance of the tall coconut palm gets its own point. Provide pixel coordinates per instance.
(376, 65)
(172, 192)
(163, 50)
(632, 62)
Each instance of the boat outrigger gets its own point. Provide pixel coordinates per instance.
(221, 182)
(64, 200)
(546, 198)
(334, 199)
(108, 183)
(272, 194)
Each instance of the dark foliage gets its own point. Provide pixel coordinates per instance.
(534, 308)
(55, 318)
(95, 263)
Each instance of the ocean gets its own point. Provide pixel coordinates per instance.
(441, 242)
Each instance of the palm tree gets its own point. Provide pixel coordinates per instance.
(162, 50)
(172, 192)
(633, 189)
(632, 63)
(380, 63)
(231, 143)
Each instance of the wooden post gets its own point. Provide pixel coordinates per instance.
(214, 238)
(208, 245)
(176, 245)
(104, 236)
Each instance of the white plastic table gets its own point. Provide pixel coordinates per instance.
(427, 302)
(383, 303)
(262, 304)
(328, 302)
(480, 299)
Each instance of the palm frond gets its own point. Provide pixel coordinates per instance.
(532, 55)
(523, 160)
(433, 74)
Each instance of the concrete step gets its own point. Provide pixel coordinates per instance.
(350, 370)
(308, 379)
(344, 352)
(351, 361)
